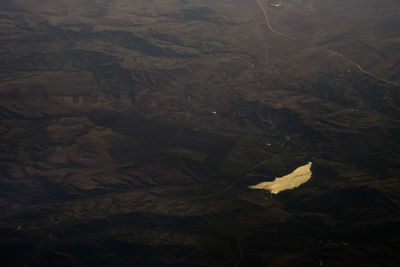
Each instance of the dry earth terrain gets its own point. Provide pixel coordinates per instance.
(130, 131)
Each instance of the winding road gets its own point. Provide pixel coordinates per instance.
(331, 52)
(269, 24)
(334, 53)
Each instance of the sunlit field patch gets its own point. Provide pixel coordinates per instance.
(298, 177)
